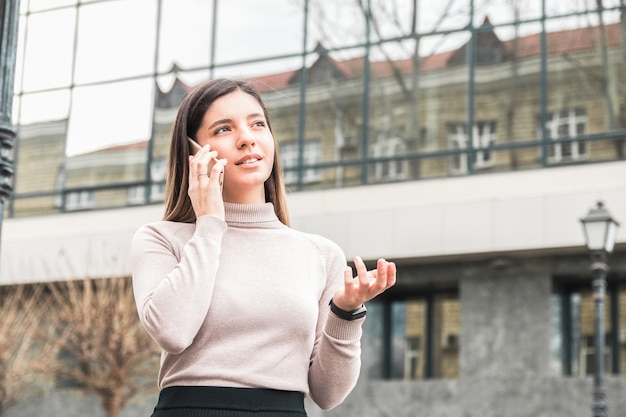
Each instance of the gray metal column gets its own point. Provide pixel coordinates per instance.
(9, 15)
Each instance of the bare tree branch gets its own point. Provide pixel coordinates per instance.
(21, 312)
(109, 352)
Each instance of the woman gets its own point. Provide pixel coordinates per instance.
(240, 303)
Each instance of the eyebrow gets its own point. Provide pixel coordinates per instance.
(223, 121)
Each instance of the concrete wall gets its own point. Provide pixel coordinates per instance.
(505, 353)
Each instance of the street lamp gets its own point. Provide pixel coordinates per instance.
(600, 234)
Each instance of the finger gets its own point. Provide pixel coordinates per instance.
(362, 274)
(381, 275)
(204, 154)
(217, 172)
(217, 166)
(391, 274)
(348, 279)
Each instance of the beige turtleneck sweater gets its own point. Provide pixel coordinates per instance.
(244, 303)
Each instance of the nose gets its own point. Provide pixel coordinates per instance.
(246, 139)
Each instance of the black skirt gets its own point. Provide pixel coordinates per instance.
(228, 402)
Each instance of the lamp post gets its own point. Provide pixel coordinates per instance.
(600, 234)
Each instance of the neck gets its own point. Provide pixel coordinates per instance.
(246, 196)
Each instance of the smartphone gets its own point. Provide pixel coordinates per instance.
(195, 147)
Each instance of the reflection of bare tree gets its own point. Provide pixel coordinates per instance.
(20, 309)
(104, 347)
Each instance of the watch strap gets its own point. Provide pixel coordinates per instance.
(348, 315)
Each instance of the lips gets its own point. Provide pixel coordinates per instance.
(249, 159)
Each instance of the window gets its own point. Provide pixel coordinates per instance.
(561, 127)
(415, 338)
(389, 170)
(79, 200)
(289, 158)
(573, 333)
(136, 195)
(483, 137)
(158, 172)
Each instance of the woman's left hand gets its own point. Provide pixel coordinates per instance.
(366, 285)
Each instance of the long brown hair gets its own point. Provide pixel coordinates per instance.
(188, 120)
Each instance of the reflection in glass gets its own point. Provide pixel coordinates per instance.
(185, 37)
(38, 107)
(578, 334)
(419, 350)
(109, 114)
(556, 337)
(242, 39)
(105, 54)
(39, 5)
(50, 45)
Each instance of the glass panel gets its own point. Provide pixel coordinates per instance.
(582, 342)
(50, 42)
(241, 39)
(507, 89)
(446, 331)
(332, 111)
(444, 101)
(185, 38)
(393, 115)
(39, 161)
(558, 7)
(444, 16)
(556, 335)
(505, 12)
(38, 107)
(19, 58)
(582, 56)
(408, 336)
(110, 114)
(105, 54)
(38, 5)
(336, 24)
(109, 166)
(373, 346)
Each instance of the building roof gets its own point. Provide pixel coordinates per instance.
(561, 42)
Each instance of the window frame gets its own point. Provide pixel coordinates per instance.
(425, 356)
(557, 141)
(484, 136)
(80, 200)
(312, 155)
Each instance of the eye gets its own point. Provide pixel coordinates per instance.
(221, 130)
(259, 123)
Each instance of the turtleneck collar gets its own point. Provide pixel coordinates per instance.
(252, 215)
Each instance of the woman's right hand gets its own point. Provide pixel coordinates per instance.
(206, 176)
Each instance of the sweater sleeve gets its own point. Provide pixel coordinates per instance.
(173, 290)
(336, 359)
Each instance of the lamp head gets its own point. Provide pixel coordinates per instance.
(600, 229)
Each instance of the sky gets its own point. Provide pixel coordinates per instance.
(94, 63)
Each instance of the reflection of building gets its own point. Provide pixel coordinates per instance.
(41, 150)
(493, 302)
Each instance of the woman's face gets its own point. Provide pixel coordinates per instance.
(235, 126)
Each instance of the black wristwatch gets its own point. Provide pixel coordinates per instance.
(348, 315)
